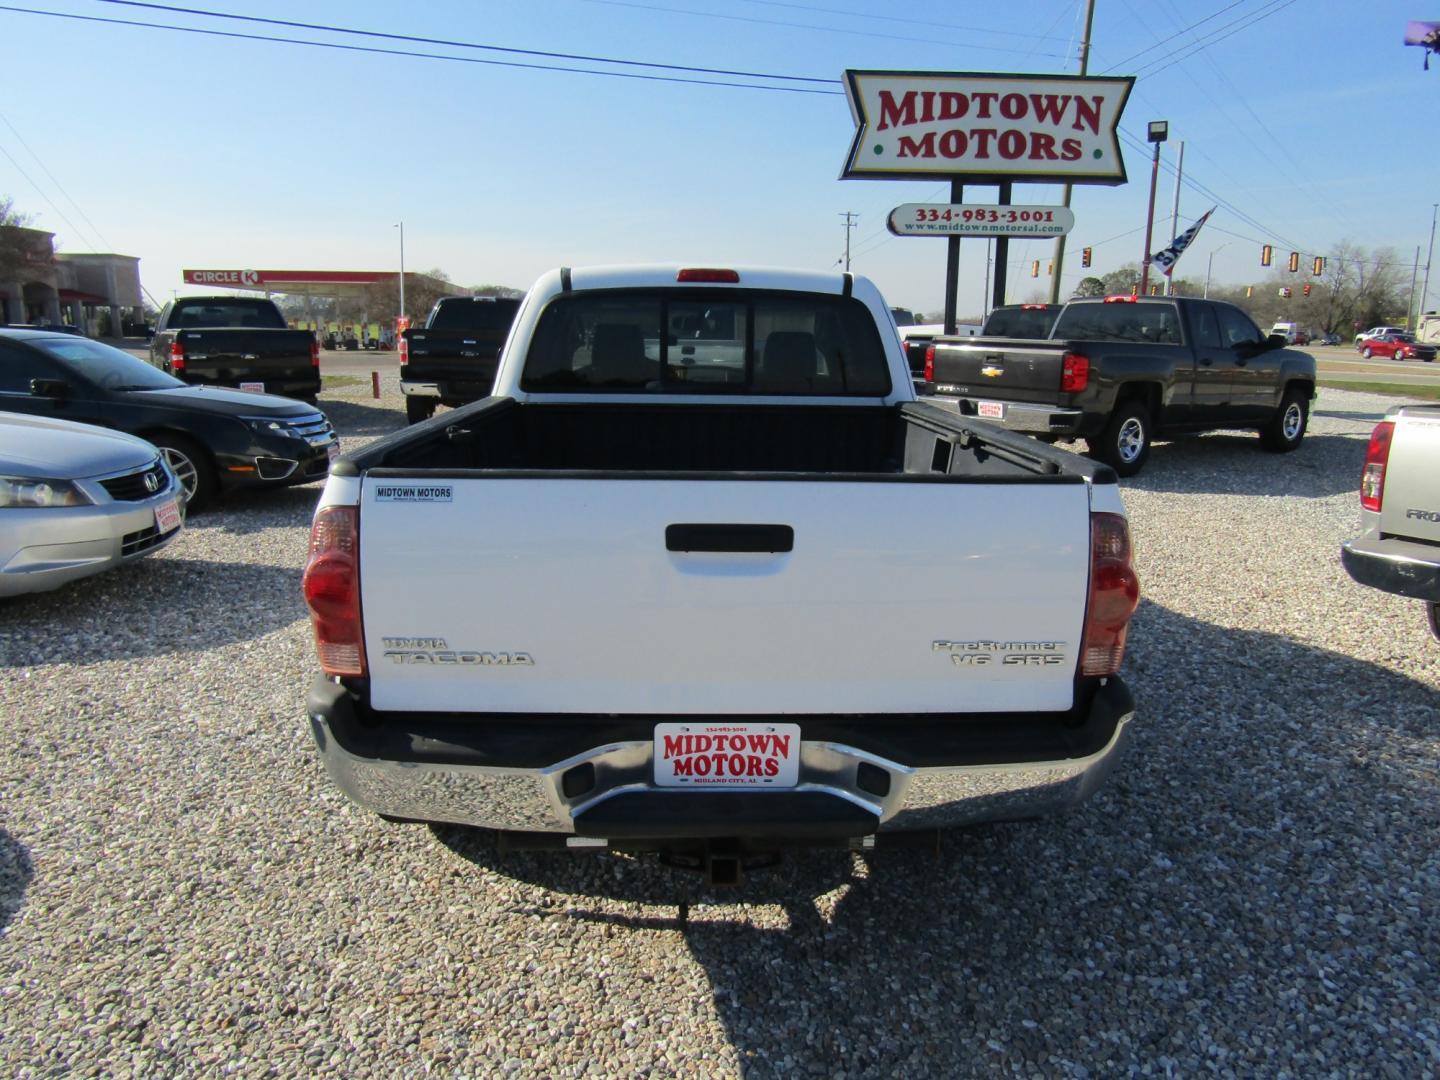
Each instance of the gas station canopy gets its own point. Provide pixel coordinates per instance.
(329, 283)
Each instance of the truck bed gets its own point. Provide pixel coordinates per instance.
(912, 440)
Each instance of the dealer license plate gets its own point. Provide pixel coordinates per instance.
(258, 387)
(731, 755)
(167, 516)
(991, 410)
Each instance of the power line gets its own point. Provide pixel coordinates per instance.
(291, 24)
(419, 55)
(59, 187)
(807, 26)
(41, 191)
(1172, 58)
(898, 19)
(1172, 37)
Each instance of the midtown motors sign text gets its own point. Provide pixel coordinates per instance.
(986, 128)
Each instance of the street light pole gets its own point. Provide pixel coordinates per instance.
(1210, 262)
(401, 227)
(1158, 132)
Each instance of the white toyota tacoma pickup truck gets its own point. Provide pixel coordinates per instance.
(1399, 548)
(703, 577)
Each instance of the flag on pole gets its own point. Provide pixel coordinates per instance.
(1167, 259)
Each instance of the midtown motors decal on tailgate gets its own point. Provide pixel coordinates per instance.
(727, 755)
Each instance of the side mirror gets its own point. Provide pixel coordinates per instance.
(51, 388)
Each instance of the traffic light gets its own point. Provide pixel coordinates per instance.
(1249, 291)
(1307, 288)
(1155, 290)
(1085, 257)
(1266, 254)
(1294, 262)
(1050, 268)
(1319, 265)
(1285, 292)
(1035, 268)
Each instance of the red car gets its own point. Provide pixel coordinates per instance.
(1396, 347)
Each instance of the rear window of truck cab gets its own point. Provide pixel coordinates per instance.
(1139, 320)
(707, 341)
(261, 314)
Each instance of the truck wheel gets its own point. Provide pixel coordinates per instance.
(1125, 443)
(418, 409)
(191, 465)
(1287, 426)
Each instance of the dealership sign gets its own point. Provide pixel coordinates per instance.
(986, 128)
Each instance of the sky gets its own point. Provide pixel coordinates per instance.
(1300, 121)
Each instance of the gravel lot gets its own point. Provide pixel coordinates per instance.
(1257, 892)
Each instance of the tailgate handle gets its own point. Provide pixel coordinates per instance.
(729, 538)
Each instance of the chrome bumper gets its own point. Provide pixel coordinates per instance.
(886, 794)
(1022, 416)
(420, 389)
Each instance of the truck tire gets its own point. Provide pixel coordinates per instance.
(418, 409)
(191, 464)
(1124, 445)
(1287, 427)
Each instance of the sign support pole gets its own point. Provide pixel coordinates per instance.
(952, 263)
(1002, 254)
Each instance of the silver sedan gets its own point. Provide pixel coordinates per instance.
(76, 500)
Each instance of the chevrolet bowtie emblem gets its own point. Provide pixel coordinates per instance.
(992, 372)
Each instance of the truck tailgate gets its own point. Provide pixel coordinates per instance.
(230, 356)
(1412, 492)
(556, 595)
(1012, 370)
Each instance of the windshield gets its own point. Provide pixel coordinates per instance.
(106, 367)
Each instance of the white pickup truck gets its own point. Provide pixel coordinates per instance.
(715, 594)
(1399, 548)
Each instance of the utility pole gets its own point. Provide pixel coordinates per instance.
(1429, 258)
(850, 217)
(1175, 217)
(1411, 315)
(401, 227)
(1060, 240)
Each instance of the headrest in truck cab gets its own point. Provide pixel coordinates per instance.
(617, 355)
(788, 364)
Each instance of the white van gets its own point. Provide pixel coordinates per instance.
(1287, 330)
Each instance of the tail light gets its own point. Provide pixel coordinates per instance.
(1377, 456)
(404, 350)
(1074, 373)
(332, 590)
(177, 356)
(1114, 595)
(929, 363)
(1121, 299)
(314, 353)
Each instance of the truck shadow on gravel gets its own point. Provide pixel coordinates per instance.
(149, 608)
(16, 871)
(1226, 463)
(1256, 883)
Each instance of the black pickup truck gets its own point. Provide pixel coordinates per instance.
(1120, 370)
(452, 359)
(236, 341)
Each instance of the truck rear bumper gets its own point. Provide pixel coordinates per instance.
(1394, 565)
(1027, 418)
(419, 389)
(858, 776)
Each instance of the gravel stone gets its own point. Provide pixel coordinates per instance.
(1255, 892)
